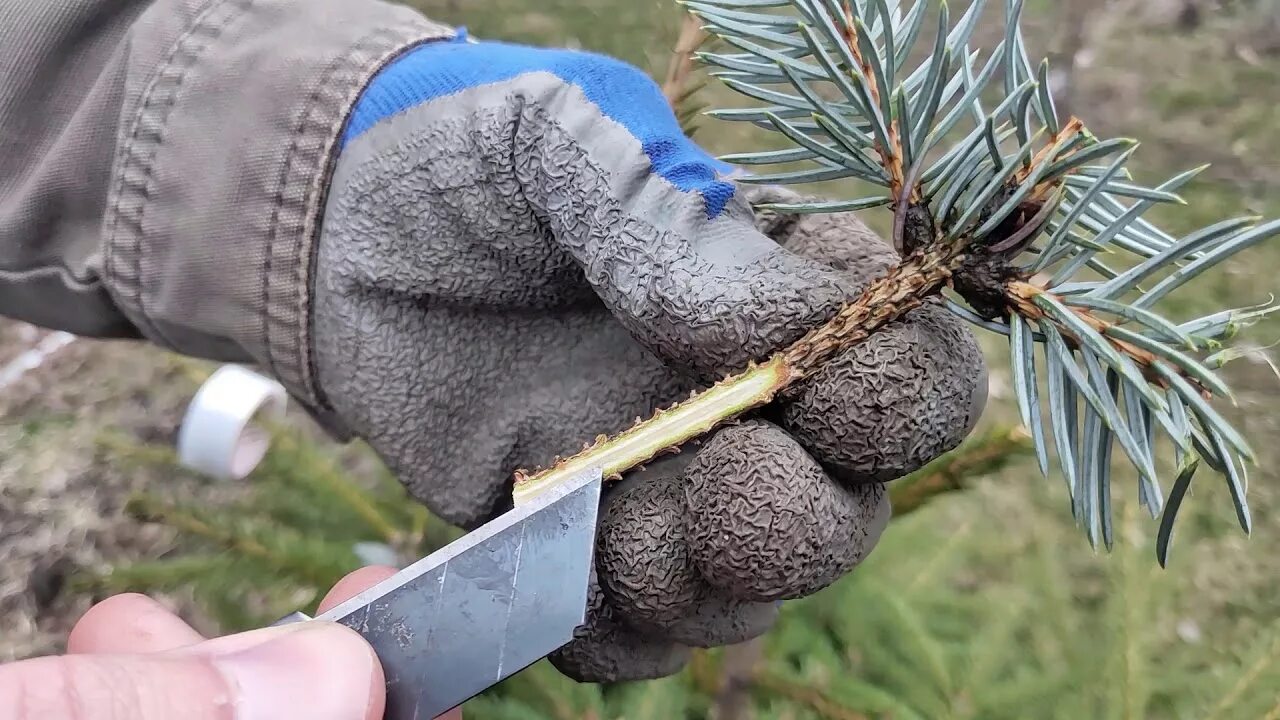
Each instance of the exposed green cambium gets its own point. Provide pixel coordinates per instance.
(1023, 221)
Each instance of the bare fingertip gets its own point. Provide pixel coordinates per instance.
(354, 583)
(315, 669)
(130, 623)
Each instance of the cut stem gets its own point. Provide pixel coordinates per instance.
(667, 429)
(903, 289)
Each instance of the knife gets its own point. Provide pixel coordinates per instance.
(482, 608)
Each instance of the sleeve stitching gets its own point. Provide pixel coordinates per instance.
(366, 56)
(163, 87)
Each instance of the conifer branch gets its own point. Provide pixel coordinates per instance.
(815, 699)
(1008, 226)
(311, 560)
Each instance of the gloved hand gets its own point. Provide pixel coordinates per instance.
(521, 251)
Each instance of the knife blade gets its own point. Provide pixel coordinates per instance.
(482, 608)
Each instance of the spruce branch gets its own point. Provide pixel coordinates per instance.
(809, 696)
(1015, 219)
(315, 561)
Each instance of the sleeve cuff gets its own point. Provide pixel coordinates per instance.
(232, 115)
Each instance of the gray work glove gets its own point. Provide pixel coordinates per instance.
(521, 251)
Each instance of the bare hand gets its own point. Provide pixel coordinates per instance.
(130, 658)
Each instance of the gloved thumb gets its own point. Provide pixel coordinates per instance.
(316, 671)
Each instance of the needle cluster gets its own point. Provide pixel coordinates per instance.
(1017, 220)
(1037, 223)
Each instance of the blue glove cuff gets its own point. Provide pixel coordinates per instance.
(621, 92)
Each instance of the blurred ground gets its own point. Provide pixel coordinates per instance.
(1210, 94)
(61, 506)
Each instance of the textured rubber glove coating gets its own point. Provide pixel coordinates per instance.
(508, 267)
(621, 94)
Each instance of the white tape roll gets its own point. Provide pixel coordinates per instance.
(218, 436)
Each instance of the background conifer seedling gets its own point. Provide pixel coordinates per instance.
(1020, 221)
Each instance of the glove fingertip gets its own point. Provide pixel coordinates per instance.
(890, 405)
(720, 620)
(649, 578)
(767, 524)
(844, 244)
(612, 653)
(642, 558)
(604, 649)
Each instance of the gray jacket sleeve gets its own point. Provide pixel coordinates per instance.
(163, 163)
